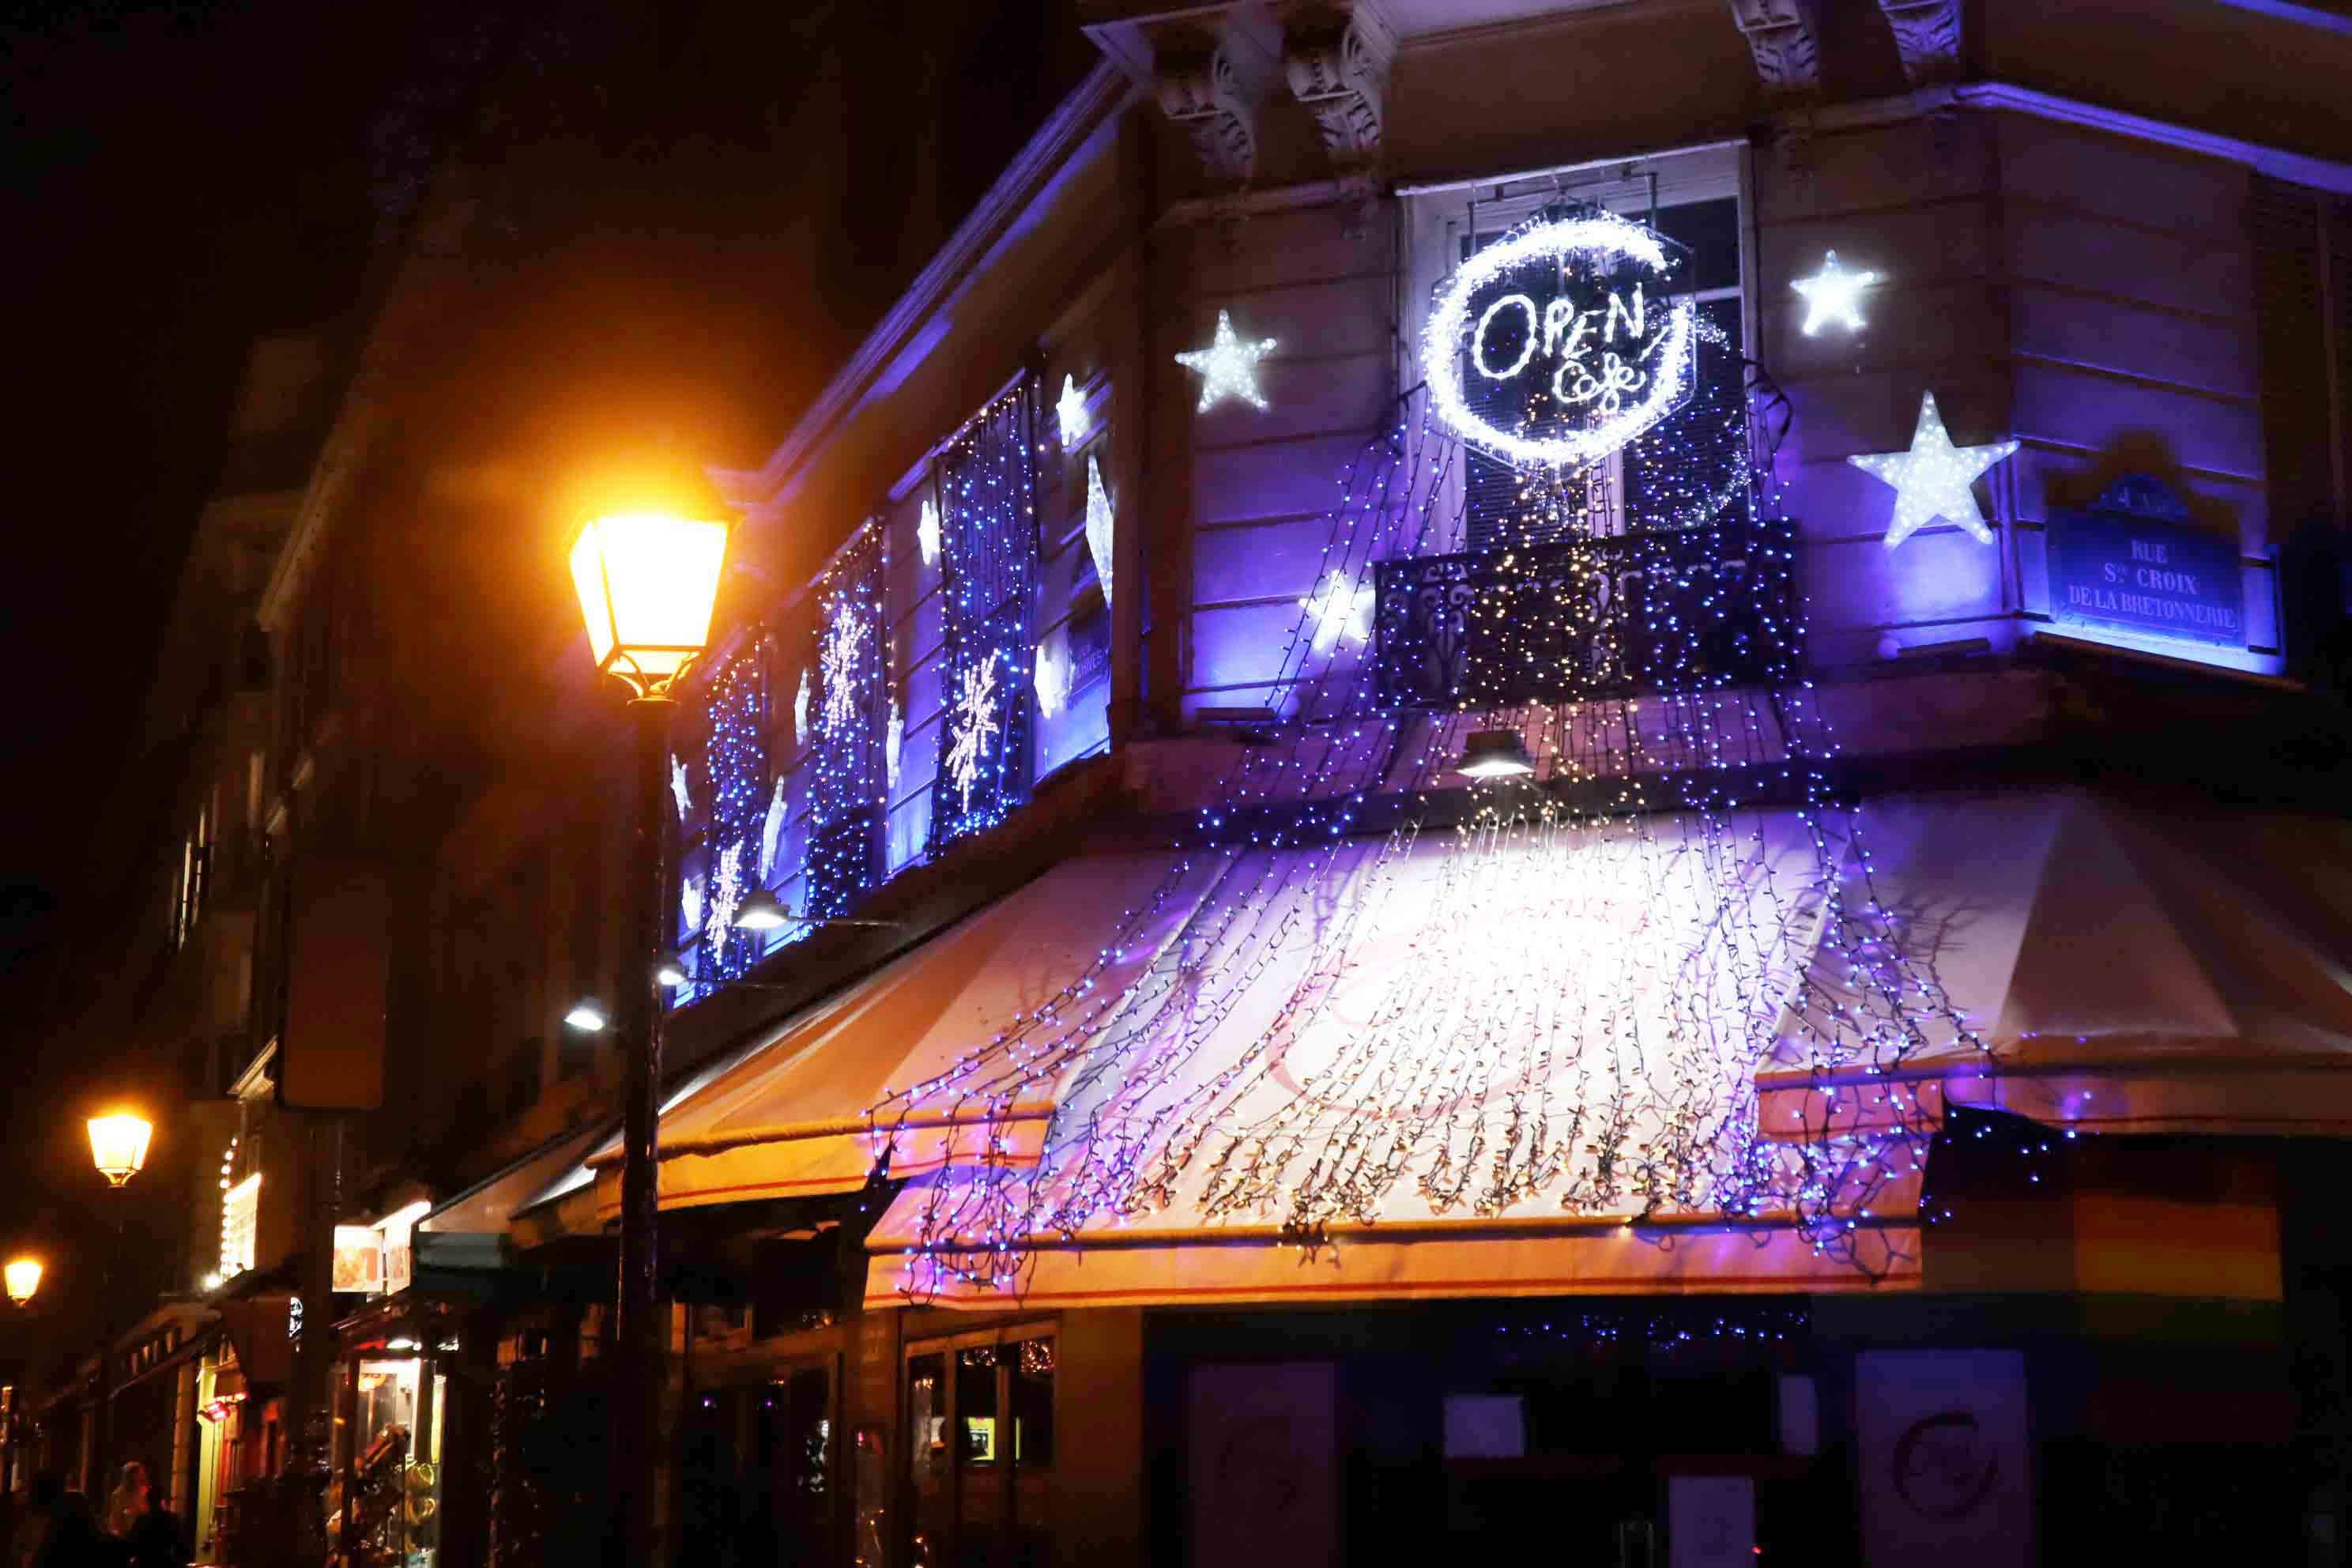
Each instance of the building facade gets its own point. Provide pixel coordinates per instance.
(1562, 772)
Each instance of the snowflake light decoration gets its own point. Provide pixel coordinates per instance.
(1070, 412)
(772, 832)
(1340, 611)
(926, 532)
(976, 725)
(845, 642)
(1098, 525)
(1228, 366)
(1053, 674)
(727, 890)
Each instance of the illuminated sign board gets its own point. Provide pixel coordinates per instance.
(2135, 562)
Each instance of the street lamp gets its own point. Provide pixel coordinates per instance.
(23, 1276)
(118, 1143)
(1495, 754)
(647, 581)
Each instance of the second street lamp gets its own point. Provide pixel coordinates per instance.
(647, 581)
(118, 1147)
(23, 1276)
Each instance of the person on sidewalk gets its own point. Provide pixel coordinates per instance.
(128, 1500)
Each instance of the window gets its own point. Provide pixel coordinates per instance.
(980, 1439)
(240, 1213)
(195, 872)
(1685, 469)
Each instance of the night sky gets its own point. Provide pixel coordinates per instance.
(180, 179)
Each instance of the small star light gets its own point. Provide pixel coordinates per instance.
(1342, 612)
(1228, 366)
(927, 532)
(1932, 478)
(1098, 525)
(1834, 294)
(1071, 410)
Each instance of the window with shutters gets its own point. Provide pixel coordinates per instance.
(1690, 464)
(2302, 284)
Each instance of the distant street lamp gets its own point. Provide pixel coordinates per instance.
(118, 1144)
(647, 583)
(23, 1276)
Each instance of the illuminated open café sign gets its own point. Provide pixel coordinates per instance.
(1561, 342)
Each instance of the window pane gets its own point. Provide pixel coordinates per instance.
(1032, 1369)
(979, 1519)
(929, 1456)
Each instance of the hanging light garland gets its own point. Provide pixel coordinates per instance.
(1562, 997)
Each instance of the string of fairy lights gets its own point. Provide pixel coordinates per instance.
(1556, 994)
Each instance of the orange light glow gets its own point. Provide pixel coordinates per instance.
(647, 581)
(23, 1276)
(118, 1143)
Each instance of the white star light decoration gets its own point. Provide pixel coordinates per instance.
(1098, 525)
(1833, 295)
(976, 725)
(1228, 366)
(927, 532)
(844, 641)
(1932, 479)
(1342, 612)
(1070, 410)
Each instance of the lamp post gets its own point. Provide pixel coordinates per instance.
(647, 581)
(118, 1147)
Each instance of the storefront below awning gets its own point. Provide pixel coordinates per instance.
(788, 1116)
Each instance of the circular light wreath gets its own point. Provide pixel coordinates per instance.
(1603, 235)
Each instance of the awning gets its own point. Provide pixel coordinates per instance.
(787, 1115)
(488, 1206)
(2121, 970)
(2126, 971)
(1640, 964)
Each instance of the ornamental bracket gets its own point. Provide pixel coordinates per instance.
(1213, 88)
(1338, 59)
(1927, 35)
(1786, 41)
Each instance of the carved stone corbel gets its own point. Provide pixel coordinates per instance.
(1927, 35)
(1213, 90)
(1338, 62)
(1785, 40)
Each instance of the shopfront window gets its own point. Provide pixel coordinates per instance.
(981, 1430)
(388, 1464)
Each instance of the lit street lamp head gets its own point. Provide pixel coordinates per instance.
(587, 1016)
(761, 911)
(647, 583)
(23, 1276)
(118, 1144)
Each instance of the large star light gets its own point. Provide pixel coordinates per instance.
(1932, 479)
(1228, 366)
(1834, 294)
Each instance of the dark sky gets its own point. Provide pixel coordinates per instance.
(181, 178)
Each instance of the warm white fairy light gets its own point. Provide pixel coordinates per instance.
(1833, 296)
(976, 724)
(1340, 611)
(1934, 478)
(1599, 350)
(1099, 525)
(926, 532)
(844, 644)
(1070, 412)
(1228, 366)
(727, 893)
